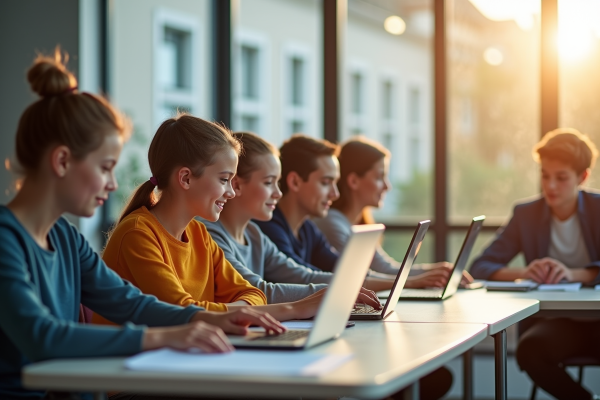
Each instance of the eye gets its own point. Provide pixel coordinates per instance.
(224, 180)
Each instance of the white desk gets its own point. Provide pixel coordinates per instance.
(583, 303)
(497, 311)
(387, 357)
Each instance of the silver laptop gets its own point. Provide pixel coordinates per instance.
(457, 271)
(366, 312)
(330, 321)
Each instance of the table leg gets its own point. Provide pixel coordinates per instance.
(99, 396)
(412, 392)
(468, 375)
(500, 364)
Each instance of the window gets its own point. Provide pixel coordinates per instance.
(279, 73)
(297, 89)
(579, 61)
(249, 65)
(493, 109)
(176, 67)
(357, 113)
(251, 86)
(388, 95)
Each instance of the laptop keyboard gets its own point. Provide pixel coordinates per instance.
(286, 336)
(422, 293)
(364, 309)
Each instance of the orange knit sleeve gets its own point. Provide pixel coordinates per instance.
(140, 254)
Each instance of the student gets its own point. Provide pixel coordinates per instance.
(246, 247)
(67, 145)
(559, 237)
(363, 183)
(159, 247)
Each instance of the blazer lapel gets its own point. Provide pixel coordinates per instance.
(544, 232)
(586, 228)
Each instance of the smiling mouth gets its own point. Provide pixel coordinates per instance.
(101, 200)
(220, 204)
(271, 205)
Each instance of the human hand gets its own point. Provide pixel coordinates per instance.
(466, 278)
(200, 335)
(433, 278)
(537, 270)
(237, 321)
(369, 297)
(557, 271)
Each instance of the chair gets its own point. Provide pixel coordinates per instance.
(579, 362)
(85, 314)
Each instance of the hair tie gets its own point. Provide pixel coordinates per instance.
(154, 181)
(70, 90)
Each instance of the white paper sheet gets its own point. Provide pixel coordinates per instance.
(298, 324)
(561, 287)
(500, 285)
(239, 362)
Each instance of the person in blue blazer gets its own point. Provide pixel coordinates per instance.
(559, 236)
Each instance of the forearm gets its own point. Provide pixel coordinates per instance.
(584, 275)
(378, 284)
(507, 274)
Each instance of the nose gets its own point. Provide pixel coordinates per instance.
(387, 185)
(277, 193)
(334, 192)
(112, 184)
(229, 192)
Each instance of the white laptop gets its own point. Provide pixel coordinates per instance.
(366, 312)
(334, 311)
(457, 271)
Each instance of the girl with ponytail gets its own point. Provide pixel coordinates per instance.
(67, 146)
(157, 244)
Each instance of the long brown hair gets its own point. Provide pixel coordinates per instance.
(358, 155)
(182, 141)
(252, 146)
(62, 116)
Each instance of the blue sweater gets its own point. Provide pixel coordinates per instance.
(40, 293)
(310, 249)
(528, 232)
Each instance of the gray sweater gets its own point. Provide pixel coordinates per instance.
(337, 229)
(261, 263)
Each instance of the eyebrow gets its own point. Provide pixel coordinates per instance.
(227, 172)
(271, 176)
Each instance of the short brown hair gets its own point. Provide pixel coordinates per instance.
(62, 115)
(252, 146)
(569, 146)
(299, 154)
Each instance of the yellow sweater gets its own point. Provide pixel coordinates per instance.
(194, 271)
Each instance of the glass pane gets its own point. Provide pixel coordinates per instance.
(158, 66)
(493, 106)
(277, 65)
(579, 63)
(455, 241)
(396, 243)
(388, 96)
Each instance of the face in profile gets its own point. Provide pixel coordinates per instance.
(371, 188)
(259, 193)
(87, 183)
(560, 182)
(318, 192)
(209, 192)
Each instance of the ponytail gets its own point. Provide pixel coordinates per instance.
(182, 141)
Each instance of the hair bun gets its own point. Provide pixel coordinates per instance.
(49, 77)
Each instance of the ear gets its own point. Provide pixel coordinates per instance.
(236, 185)
(293, 181)
(184, 178)
(353, 181)
(61, 160)
(584, 175)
